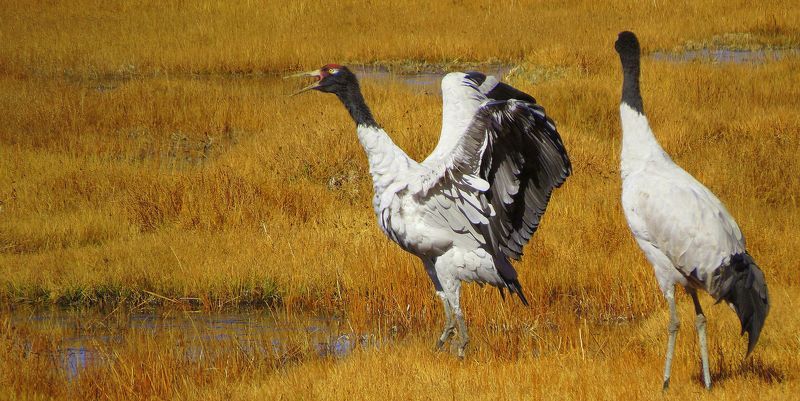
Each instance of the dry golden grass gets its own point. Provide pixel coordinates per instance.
(96, 38)
(558, 357)
(149, 149)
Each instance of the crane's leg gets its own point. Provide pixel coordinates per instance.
(451, 294)
(672, 329)
(462, 332)
(700, 324)
(463, 339)
(449, 323)
(448, 287)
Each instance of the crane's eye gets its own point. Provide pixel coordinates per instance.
(333, 70)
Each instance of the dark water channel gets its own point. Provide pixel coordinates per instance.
(84, 339)
(428, 79)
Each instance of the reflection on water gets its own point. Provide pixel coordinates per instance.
(726, 56)
(85, 339)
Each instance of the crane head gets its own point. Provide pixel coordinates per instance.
(330, 78)
(627, 45)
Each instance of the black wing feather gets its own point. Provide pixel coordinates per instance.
(523, 162)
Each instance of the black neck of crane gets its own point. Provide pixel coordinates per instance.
(629, 55)
(354, 102)
(631, 94)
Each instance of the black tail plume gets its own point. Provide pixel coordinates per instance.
(515, 287)
(509, 276)
(741, 283)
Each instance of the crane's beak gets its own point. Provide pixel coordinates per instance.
(316, 74)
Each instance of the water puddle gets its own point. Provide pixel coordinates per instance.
(426, 80)
(756, 56)
(84, 340)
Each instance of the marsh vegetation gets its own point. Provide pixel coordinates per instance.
(151, 160)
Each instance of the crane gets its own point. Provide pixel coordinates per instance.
(684, 231)
(477, 199)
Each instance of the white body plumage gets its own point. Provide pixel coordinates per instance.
(683, 229)
(432, 223)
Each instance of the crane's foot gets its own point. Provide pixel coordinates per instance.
(666, 385)
(449, 328)
(462, 333)
(462, 348)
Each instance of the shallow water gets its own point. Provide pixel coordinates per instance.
(427, 81)
(84, 339)
(755, 56)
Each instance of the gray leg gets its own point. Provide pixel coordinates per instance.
(700, 324)
(462, 333)
(672, 329)
(449, 324)
(450, 293)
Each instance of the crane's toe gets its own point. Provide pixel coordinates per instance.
(446, 334)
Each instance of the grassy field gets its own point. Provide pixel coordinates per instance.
(149, 156)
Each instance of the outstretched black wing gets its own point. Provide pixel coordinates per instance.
(498, 159)
(523, 162)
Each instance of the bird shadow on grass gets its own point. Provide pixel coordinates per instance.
(753, 367)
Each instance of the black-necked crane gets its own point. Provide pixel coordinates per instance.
(477, 199)
(684, 230)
